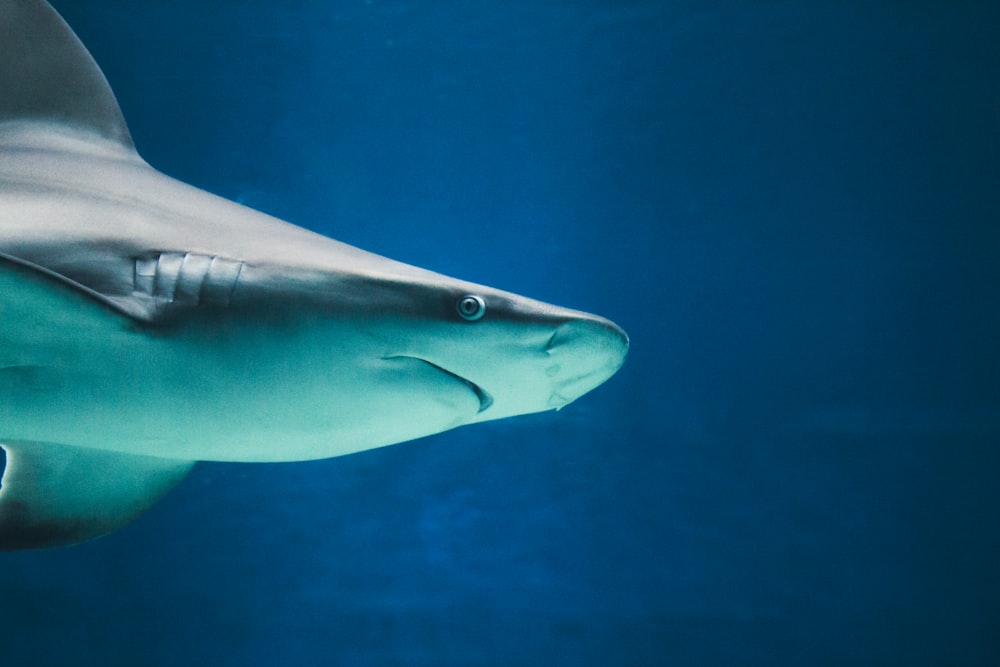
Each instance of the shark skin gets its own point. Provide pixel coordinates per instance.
(146, 324)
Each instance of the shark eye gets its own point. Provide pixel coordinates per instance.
(471, 307)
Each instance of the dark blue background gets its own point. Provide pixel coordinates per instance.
(793, 208)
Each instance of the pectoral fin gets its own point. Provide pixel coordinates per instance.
(54, 495)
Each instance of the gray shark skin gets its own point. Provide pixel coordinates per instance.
(146, 324)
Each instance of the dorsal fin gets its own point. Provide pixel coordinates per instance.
(48, 76)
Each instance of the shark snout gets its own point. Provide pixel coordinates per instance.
(583, 353)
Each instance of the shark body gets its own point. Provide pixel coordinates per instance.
(146, 324)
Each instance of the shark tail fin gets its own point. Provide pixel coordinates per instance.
(53, 495)
(48, 76)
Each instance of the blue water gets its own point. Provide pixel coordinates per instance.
(793, 208)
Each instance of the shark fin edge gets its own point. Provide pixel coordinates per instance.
(47, 75)
(55, 495)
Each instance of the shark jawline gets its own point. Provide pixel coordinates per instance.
(485, 399)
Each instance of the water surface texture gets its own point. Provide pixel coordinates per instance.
(792, 207)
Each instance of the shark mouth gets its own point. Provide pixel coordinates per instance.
(485, 400)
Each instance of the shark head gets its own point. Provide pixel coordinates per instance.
(435, 351)
(376, 352)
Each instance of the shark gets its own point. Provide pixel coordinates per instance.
(146, 325)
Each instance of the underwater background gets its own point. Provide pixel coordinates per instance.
(792, 207)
